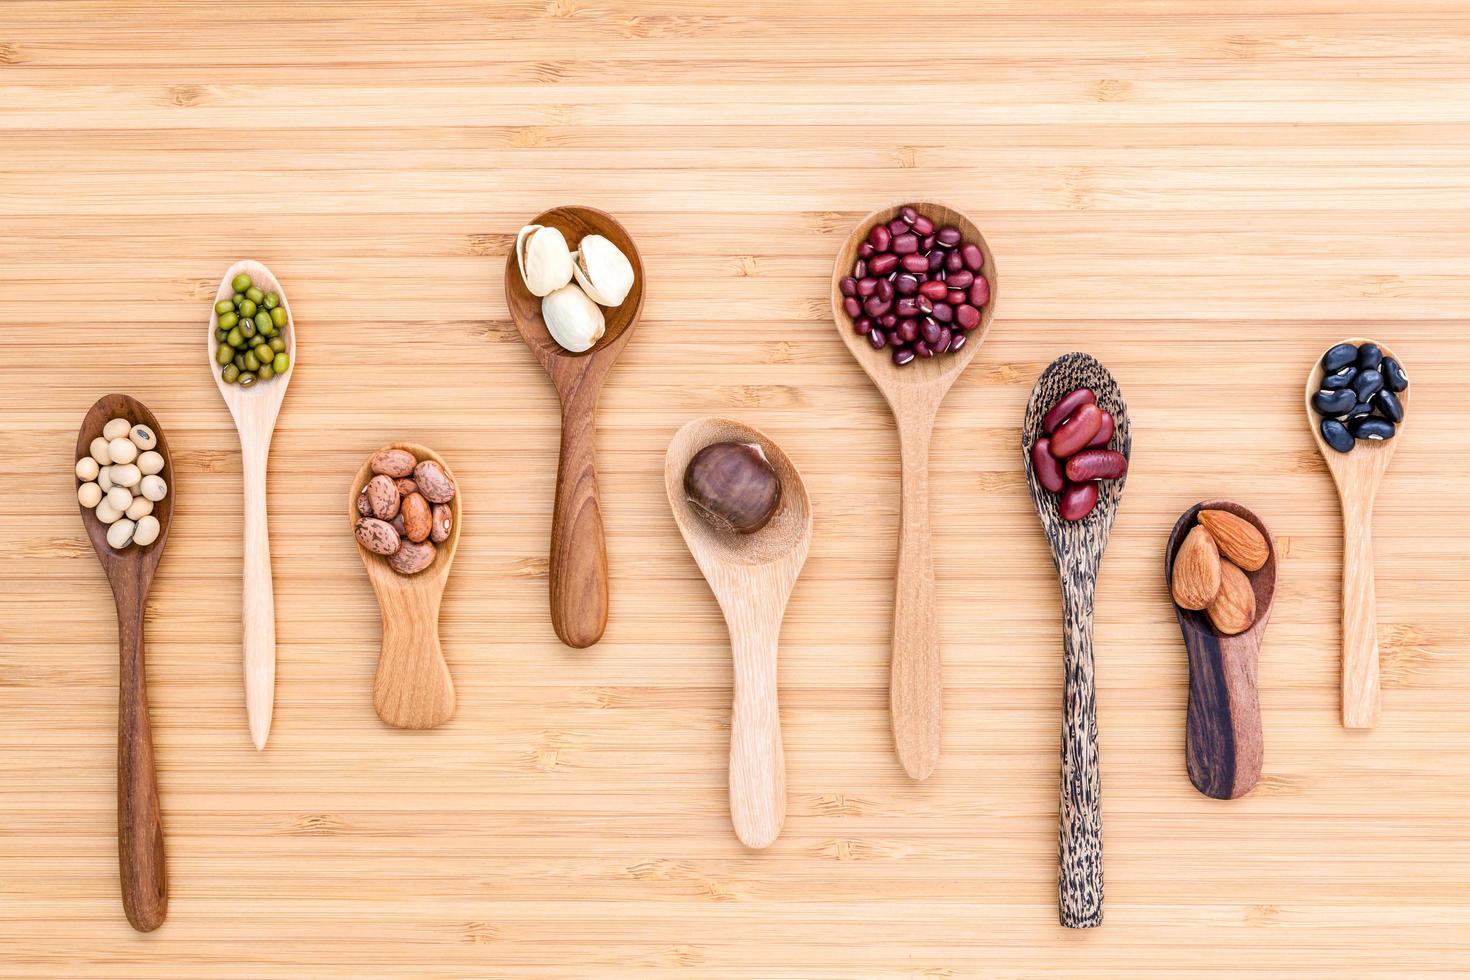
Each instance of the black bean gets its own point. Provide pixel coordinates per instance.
(1333, 402)
(1339, 357)
(1336, 435)
(1358, 411)
(1341, 378)
(1394, 378)
(1372, 428)
(1389, 406)
(1367, 383)
(1369, 356)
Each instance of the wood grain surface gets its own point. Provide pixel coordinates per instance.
(1203, 197)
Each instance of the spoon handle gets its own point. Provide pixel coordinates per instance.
(1223, 744)
(139, 826)
(1079, 861)
(916, 682)
(757, 760)
(413, 688)
(578, 552)
(1360, 693)
(258, 620)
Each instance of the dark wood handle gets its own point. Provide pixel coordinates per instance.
(139, 824)
(1223, 742)
(1079, 860)
(578, 552)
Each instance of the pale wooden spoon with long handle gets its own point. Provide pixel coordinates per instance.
(413, 688)
(1357, 474)
(141, 866)
(751, 576)
(578, 574)
(913, 392)
(254, 410)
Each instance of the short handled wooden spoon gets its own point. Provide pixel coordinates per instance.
(413, 688)
(1223, 744)
(913, 392)
(1358, 475)
(130, 573)
(1077, 548)
(254, 410)
(751, 576)
(578, 553)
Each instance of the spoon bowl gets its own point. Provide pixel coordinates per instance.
(914, 393)
(1224, 744)
(578, 575)
(413, 687)
(1357, 474)
(1077, 549)
(254, 410)
(130, 570)
(751, 576)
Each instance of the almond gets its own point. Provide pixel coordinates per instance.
(1237, 538)
(1196, 570)
(1234, 608)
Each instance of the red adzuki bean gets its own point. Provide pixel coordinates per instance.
(1077, 431)
(1096, 464)
(1047, 467)
(1065, 406)
(1077, 500)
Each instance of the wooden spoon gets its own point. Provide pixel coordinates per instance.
(1223, 740)
(913, 392)
(413, 688)
(254, 410)
(751, 576)
(1358, 475)
(130, 573)
(578, 552)
(1077, 548)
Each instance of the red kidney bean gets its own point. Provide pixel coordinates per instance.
(1048, 468)
(877, 339)
(949, 235)
(888, 321)
(953, 262)
(881, 265)
(923, 349)
(973, 258)
(908, 214)
(905, 244)
(1104, 432)
(866, 251)
(867, 286)
(1077, 431)
(958, 342)
(1096, 464)
(960, 279)
(906, 284)
(1077, 501)
(908, 330)
(956, 297)
(921, 225)
(943, 312)
(877, 307)
(885, 289)
(980, 291)
(932, 290)
(879, 238)
(848, 285)
(862, 325)
(852, 307)
(936, 261)
(1065, 406)
(898, 226)
(967, 316)
(903, 355)
(914, 262)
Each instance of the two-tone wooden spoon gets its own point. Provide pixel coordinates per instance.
(254, 410)
(130, 572)
(1357, 474)
(751, 576)
(913, 392)
(1077, 549)
(1223, 745)
(413, 688)
(578, 579)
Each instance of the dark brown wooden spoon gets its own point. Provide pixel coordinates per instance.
(578, 553)
(1077, 548)
(130, 573)
(1223, 741)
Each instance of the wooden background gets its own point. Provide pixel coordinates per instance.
(1204, 201)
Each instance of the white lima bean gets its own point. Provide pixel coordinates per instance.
(140, 507)
(99, 452)
(89, 495)
(87, 468)
(154, 488)
(143, 437)
(150, 463)
(147, 531)
(122, 451)
(116, 429)
(121, 533)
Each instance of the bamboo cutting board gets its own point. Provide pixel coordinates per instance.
(1202, 200)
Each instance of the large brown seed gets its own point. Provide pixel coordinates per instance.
(733, 486)
(392, 462)
(433, 482)
(382, 496)
(1237, 537)
(443, 523)
(1196, 579)
(417, 519)
(1234, 607)
(376, 536)
(411, 557)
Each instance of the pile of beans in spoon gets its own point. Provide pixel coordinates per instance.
(1359, 398)
(915, 288)
(1073, 454)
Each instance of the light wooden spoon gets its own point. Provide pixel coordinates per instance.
(413, 688)
(1357, 474)
(254, 410)
(913, 392)
(1077, 549)
(1224, 744)
(130, 571)
(751, 576)
(578, 578)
